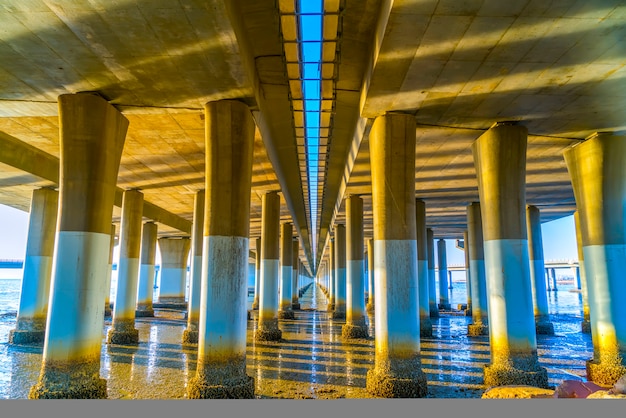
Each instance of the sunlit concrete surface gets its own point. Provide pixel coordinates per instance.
(311, 361)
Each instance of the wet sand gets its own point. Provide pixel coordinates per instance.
(311, 362)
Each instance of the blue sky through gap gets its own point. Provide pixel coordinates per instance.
(310, 21)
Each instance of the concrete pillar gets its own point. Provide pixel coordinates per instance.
(174, 255)
(257, 277)
(474, 248)
(332, 283)
(598, 173)
(229, 146)
(585, 325)
(397, 371)
(553, 275)
(426, 326)
(92, 134)
(190, 335)
(268, 303)
(30, 326)
(340, 272)
(444, 302)
(286, 271)
(295, 298)
(123, 329)
(432, 284)
(500, 161)
(449, 279)
(145, 289)
(355, 326)
(109, 272)
(468, 279)
(370, 308)
(538, 284)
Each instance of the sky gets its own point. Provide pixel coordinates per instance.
(559, 238)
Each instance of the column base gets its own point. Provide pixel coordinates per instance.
(123, 332)
(295, 306)
(339, 315)
(605, 372)
(268, 333)
(434, 312)
(507, 374)
(544, 328)
(585, 327)
(444, 307)
(190, 336)
(286, 315)
(369, 308)
(426, 327)
(71, 381)
(476, 330)
(221, 383)
(410, 383)
(144, 313)
(26, 337)
(351, 331)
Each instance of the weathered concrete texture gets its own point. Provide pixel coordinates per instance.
(223, 381)
(70, 380)
(354, 331)
(523, 372)
(190, 336)
(397, 379)
(26, 337)
(607, 371)
(517, 392)
(123, 332)
(475, 330)
(544, 328)
(268, 331)
(286, 315)
(143, 312)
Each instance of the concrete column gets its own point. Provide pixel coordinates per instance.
(370, 277)
(174, 255)
(397, 371)
(123, 329)
(355, 326)
(145, 289)
(500, 161)
(109, 272)
(268, 303)
(286, 271)
(548, 279)
(553, 275)
(444, 302)
(449, 279)
(340, 272)
(229, 146)
(538, 284)
(257, 277)
(474, 248)
(432, 284)
(190, 335)
(585, 325)
(30, 326)
(598, 173)
(468, 278)
(332, 283)
(426, 326)
(295, 298)
(92, 134)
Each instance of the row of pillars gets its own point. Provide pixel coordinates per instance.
(92, 138)
(507, 284)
